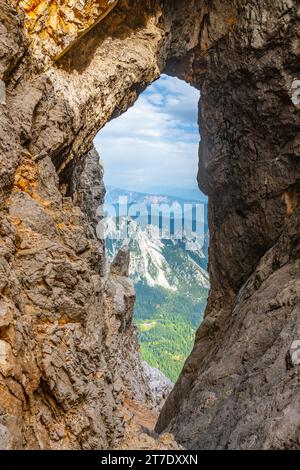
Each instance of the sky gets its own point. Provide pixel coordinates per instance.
(153, 147)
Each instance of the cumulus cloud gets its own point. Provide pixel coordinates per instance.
(155, 143)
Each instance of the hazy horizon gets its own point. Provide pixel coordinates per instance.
(191, 194)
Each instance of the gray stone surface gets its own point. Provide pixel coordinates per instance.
(159, 384)
(69, 352)
(4, 437)
(236, 391)
(120, 265)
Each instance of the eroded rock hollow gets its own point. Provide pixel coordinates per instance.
(70, 370)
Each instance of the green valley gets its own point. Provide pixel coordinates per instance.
(171, 283)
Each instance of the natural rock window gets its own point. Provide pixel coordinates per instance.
(70, 371)
(150, 158)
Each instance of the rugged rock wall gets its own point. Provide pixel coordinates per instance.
(237, 389)
(68, 363)
(55, 27)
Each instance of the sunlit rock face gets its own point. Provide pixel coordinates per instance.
(54, 26)
(69, 358)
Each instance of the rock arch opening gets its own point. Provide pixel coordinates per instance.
(68, 361)
(154, 207)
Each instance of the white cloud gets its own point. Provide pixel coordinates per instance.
(155, 98)
(155, 143)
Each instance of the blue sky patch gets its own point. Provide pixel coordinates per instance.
(153, 147)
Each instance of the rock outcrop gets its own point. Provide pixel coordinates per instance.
(56, 26)
(160, 386)
(69, 359)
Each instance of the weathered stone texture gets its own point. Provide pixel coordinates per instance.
(69, 358)
(236, 391)
(69, 353)
(55, 26)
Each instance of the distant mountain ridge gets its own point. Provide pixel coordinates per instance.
(171, 283)
(113, 194)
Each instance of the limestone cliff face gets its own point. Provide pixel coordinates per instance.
(69, 363)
